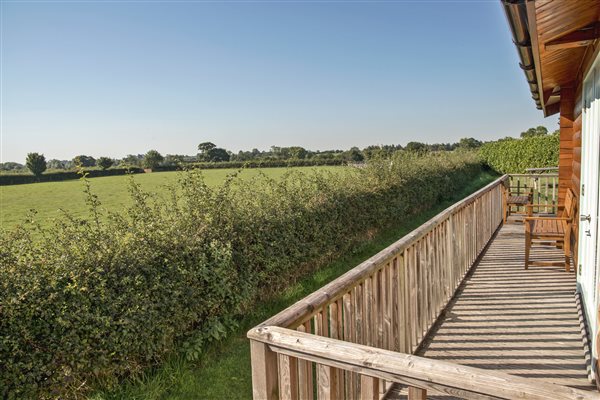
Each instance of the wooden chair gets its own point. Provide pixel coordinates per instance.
(551, 229)
(512, 199)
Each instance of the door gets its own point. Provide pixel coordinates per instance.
(588, 200)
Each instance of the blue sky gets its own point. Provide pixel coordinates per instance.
(112, 78)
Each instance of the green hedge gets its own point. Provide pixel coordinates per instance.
(88, 301)
(516, 155)
(268, 163)
(16, 179)
(251, 164)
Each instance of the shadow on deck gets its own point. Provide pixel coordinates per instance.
(517, 321)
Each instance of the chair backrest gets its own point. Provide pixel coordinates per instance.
(570, 204)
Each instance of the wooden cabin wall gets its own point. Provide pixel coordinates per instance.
(577, 126)
(567, 144)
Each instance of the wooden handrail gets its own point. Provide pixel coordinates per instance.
(383, 309)
(534, 170)
(550, 174)
(414, 371)
(296, 313)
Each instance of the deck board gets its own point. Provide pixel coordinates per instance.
(506, 318)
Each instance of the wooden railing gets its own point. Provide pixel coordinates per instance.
(351, 338)
(377, 365)
(543, 185)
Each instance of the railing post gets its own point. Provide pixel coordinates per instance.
(264, 372)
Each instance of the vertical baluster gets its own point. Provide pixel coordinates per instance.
(288, 377)
(335, 332)
(369, 388)
(450, 244)
(305, 371)
(358, 309)
(368, 315)
(405, 302)
(377, 309)
(350, 378)
(416, 393)
(386, 283)
(413, 321)
(428, 279)
(326, 382)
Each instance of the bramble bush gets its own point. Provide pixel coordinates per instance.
(515, 155)
(90, 301)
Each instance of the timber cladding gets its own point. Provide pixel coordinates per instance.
(565, 160)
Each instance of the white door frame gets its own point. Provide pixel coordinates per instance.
(589, 241)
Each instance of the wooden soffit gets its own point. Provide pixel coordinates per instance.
(564, 35)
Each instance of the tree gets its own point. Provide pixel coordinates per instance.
(416, 146)
(539, 131)
(205, 147)
(11, 166)
(152, 159)
(469, 143)
(297, 152)
(104, 162)
(56, 164)
(84, 161)
(373, 151)
(36, 163)
(174, 159)
(354, 155)
(132, 160)
(217, 154)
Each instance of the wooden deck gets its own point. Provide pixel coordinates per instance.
(506, 318)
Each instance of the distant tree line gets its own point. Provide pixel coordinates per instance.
(208, 152)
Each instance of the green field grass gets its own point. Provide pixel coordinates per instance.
(48, 198)
(224, 372)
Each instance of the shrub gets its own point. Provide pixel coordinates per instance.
(36, 163)
(105, 163)
(516, 155)
(84, 161)
(101, 298)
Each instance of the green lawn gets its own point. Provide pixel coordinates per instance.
(48, 198)
(224, 371)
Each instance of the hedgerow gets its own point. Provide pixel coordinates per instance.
(515, 155)
(23, 178)
(98, 299)
(17, 179)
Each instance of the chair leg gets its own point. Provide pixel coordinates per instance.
(527, 248)
(567, 249)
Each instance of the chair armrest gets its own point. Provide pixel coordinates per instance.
(541, 205)
(548, 219)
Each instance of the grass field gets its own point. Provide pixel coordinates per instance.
(48, 198)
(224, 372)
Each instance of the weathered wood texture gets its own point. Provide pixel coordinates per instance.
(417, 372)
(565, 158)
(504, 318)
(388, 303)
